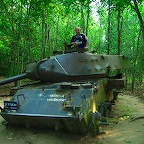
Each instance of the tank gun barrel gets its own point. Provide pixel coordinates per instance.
(14, 78)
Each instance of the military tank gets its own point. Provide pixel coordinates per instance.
(71, 91)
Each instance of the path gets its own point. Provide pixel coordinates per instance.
(119, 131)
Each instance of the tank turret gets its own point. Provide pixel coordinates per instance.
(72, 67)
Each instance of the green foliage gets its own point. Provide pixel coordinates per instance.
(30, 29)
(5, 62)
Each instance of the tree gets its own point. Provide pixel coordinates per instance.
(135, 7)
(32, 30)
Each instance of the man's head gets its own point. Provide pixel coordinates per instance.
(78, 31)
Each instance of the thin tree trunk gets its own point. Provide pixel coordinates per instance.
(109, 25)
(57, 31)
(48, 39)
(21, 47)
(139, 17)
(135, 65)
(119, 32)
(88, 14)
(43, 34)
(82, 19)
(13, 43)
(28, 41)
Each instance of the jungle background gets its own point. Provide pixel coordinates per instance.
(31, 30)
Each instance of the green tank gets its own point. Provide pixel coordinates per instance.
(71, 91)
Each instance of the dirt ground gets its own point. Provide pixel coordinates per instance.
(126, 125)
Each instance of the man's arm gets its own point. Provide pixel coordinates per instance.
(87, 42)
(74, 42)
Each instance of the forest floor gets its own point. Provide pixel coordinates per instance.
(126, 125)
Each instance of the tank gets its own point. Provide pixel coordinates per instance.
(71, 91)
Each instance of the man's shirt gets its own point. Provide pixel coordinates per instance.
(82, 38)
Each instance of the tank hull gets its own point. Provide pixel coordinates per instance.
(47, 122)
(61, 106)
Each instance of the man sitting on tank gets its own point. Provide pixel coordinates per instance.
(80, 40)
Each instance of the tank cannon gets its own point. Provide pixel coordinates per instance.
(72, 91)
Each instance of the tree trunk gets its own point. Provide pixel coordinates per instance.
(82, 19)
(135, 64)
(57, 33)
(88, 14)
(119, 31)
(109, 26)
(139, 17)
(13, 42)
(43, 34)
(28, 41)
(48, 39)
